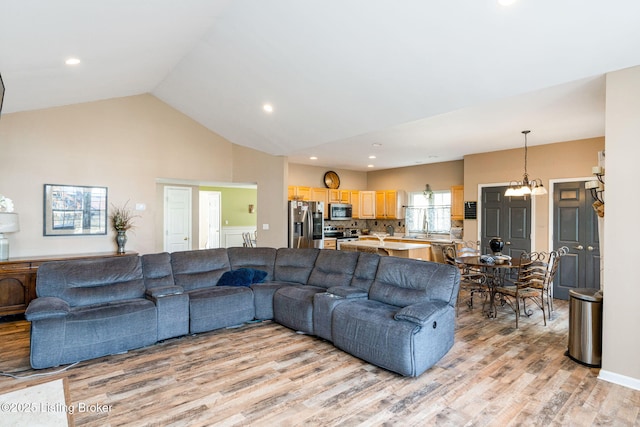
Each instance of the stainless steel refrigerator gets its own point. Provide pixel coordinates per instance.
(306, 224)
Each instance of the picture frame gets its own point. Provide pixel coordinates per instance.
(74, 210)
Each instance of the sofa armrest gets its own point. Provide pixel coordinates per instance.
(46, 308)
(164, 291)
(421, 313)
(348, 292)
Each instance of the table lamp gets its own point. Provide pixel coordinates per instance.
(8, 224)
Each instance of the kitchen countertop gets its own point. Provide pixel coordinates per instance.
(416, 239)
(396, 246)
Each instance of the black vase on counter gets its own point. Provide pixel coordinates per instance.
(496, 244)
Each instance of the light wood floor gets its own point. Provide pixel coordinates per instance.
(264, 374)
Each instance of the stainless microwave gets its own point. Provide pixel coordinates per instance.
(340, 211)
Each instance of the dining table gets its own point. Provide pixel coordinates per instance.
(495, 271)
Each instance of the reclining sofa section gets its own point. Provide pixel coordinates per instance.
(396, 313)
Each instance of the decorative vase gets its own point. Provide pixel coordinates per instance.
(121, 239)
(496, 244)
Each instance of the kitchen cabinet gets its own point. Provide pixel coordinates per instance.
(299, 193)
(400, 249)
(339, 196)
(389, 204)
(367, 204)
(320, 195)
(330, 243)
(457, 202)
(354, 195)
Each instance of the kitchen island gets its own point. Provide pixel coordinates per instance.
(398, 249)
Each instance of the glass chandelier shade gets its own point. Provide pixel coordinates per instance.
(528, 186)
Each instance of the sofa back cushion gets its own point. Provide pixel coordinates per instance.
(402, 282)
(295, 265)
(92, 281)
(156, 269)
(199, 268)
(257, 258)
(333, 268)
(365, 271)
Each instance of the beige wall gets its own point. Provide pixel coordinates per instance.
(621, 346)
(125, 144)
(439, 176)
(313, 176)
(572, 159)
(270, 174)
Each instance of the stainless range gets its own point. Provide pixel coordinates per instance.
(341, 234)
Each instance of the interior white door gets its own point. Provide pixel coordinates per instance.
(210, 203)
(177, 219)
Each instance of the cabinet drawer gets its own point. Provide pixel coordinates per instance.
(15, 266)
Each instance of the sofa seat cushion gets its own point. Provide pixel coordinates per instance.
(368, 329)
(93, 331)
(219, 307)
(293, 306)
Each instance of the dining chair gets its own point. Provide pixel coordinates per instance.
(554, 262)
(471, 280)
(530, 284)
(247, 241)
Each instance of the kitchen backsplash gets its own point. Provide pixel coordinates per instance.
(373, 225)
(378, 225)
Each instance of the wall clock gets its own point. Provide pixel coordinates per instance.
(331, 180)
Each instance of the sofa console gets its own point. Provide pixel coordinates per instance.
(395, 313)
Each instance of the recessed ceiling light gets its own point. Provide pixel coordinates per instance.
(506, 2)
(313, 158)
(372, 157)
(72, 61)
(268, 108)
(376, 144)
(369, 166)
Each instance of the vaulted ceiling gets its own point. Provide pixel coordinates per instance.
(410, 81)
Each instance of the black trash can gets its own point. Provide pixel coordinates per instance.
(585, 326)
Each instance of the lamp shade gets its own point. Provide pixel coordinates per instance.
(9, 222)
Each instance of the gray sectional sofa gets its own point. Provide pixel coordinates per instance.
(396, 313)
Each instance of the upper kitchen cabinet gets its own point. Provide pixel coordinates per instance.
(299, 193)
(355, 203)
(320, 195)
(389, 204)
(457, 202)
(367, 204)
(339, 196)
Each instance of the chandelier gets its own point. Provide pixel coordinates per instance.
(532, 186)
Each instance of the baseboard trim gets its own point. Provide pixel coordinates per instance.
(622, 380)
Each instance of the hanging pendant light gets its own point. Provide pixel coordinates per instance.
(428, 193)
(526, 186)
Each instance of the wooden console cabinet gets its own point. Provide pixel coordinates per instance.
(18, 279)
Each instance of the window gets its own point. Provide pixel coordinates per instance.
(429, 214)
